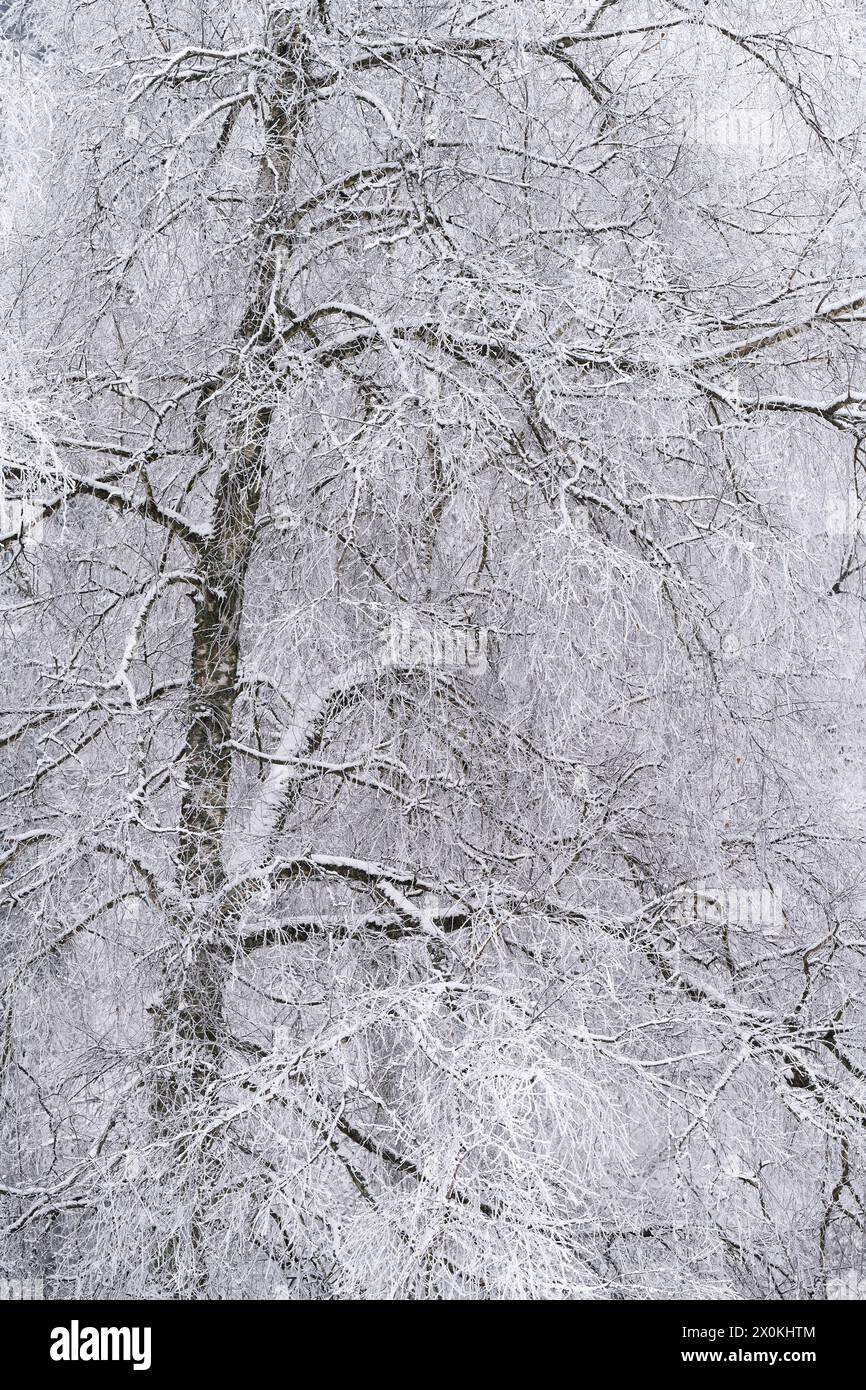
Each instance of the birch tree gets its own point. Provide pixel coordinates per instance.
(432, 809)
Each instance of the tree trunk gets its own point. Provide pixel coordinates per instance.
(190, 1015)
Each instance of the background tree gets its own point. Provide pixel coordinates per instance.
(343, 338)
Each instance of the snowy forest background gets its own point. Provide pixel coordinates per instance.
(432, 537)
